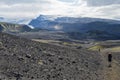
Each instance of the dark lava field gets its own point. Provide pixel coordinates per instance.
(22, 59)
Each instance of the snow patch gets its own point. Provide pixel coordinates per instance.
(57, 27)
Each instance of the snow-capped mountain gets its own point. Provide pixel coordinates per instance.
(50, 22)
(80, 27)
(46, 17)
(82, 20)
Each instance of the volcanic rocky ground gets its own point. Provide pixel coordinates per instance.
(22, 59)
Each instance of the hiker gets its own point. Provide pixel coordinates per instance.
(99, 49)
(109, 59)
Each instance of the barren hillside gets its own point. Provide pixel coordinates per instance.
(22, 59)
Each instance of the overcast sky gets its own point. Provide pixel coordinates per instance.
(78, 8)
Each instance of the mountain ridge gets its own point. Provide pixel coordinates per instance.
(81, 28)
(45, 22)
(12, 28)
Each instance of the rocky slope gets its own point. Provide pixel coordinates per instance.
(22, 59)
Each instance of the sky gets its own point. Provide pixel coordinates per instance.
(74, 8)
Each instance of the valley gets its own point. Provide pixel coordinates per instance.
(63, 39)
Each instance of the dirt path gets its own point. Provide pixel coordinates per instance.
(111, 70)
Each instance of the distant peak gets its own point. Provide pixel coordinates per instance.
(42, 17)
(1, 18)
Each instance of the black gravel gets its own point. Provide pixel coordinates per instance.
(22, 59)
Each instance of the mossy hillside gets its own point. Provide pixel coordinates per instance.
(96, 48)
(8, 27)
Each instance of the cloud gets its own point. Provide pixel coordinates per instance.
(9, 2)
(57, 27)
(77, 8)
(110, 11)
(32, 8)
(102, 2)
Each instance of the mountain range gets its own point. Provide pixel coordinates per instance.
(80, 28)
(75, 27)
(71, 24)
